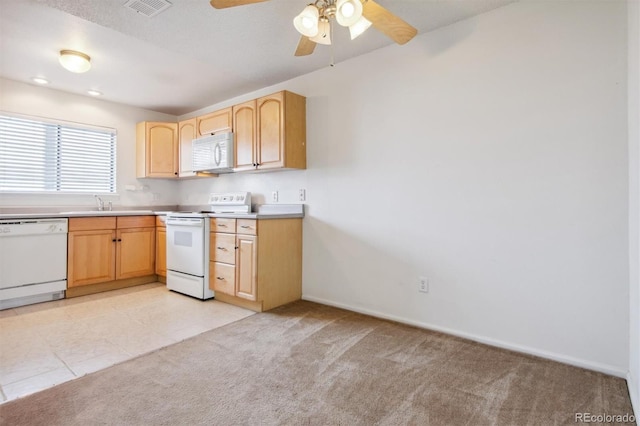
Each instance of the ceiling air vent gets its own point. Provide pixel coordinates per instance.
(148, 8)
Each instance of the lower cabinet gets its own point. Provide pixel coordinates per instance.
(256, 264)
(161, 246)
(110, 250)
(91, 251)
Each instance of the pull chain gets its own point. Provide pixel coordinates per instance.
(332, 63)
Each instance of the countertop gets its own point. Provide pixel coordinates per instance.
(266, 211)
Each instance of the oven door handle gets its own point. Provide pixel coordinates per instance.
(194, 223)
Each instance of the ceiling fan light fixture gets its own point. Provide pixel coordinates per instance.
(348, 12)
(359, 27)
(74, 61)
(324, 32)
(307, 21)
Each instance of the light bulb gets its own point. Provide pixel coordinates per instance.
(307, 21)
(348, 12)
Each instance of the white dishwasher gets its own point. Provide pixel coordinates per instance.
(33, 261)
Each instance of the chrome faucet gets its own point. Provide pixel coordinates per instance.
(100, 203)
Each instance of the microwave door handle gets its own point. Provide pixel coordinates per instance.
(217, 154)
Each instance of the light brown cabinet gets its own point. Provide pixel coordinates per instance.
(244, 129)
(186, 133)
(161, 246)
(256, 264)
(91, 251)
(157, 150)
(105, 249)
(270, 132)
(214, 122)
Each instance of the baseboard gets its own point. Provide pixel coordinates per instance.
(602, 368)
(109, 285)
(634, 395)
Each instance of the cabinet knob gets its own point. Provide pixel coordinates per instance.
(114, 240)
(236, 247)
(119, 239)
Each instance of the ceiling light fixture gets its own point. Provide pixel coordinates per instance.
(74, 61)
(40, 80)
(94, 92)
(314, 20)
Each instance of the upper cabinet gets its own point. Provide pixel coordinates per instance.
(186, 133)
(270, 132)
(215, 122)
(244, 126)
(156, 150)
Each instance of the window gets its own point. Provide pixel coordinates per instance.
(41, 156)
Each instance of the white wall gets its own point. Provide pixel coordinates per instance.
(16, 97)
(489, 156)
(634, 202)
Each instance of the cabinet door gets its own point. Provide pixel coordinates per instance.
(136, 252)
(246, 266)
(244, 126)
(186, 133)
(162, 150)
(270, 131)
(215, 122)
(91, 257)
(161, 251)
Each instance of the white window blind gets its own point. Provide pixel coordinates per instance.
(40, 156)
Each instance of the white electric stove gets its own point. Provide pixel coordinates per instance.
(188, 243)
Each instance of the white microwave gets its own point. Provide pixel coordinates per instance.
(213, 153)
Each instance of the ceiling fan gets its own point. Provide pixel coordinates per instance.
(314, 22)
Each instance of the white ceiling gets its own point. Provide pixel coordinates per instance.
(191, 55)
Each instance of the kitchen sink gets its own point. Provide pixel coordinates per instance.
(107, 212)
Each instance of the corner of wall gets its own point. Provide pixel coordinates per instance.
(633, 377)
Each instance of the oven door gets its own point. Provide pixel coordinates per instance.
(186, 245)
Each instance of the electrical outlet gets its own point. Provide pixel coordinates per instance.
(302, 195)
(423, 285)
(274, 196)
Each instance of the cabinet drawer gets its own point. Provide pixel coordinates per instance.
(219, 224)
(247, 226)
(222, 278)
(91, 223)
(222, 248)
(136, 222)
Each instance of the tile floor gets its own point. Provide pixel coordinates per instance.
(49, 343)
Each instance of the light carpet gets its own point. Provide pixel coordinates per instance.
(309, 364)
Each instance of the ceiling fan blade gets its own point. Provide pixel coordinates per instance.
(222, 4)
(388, 23)
(305, 46)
